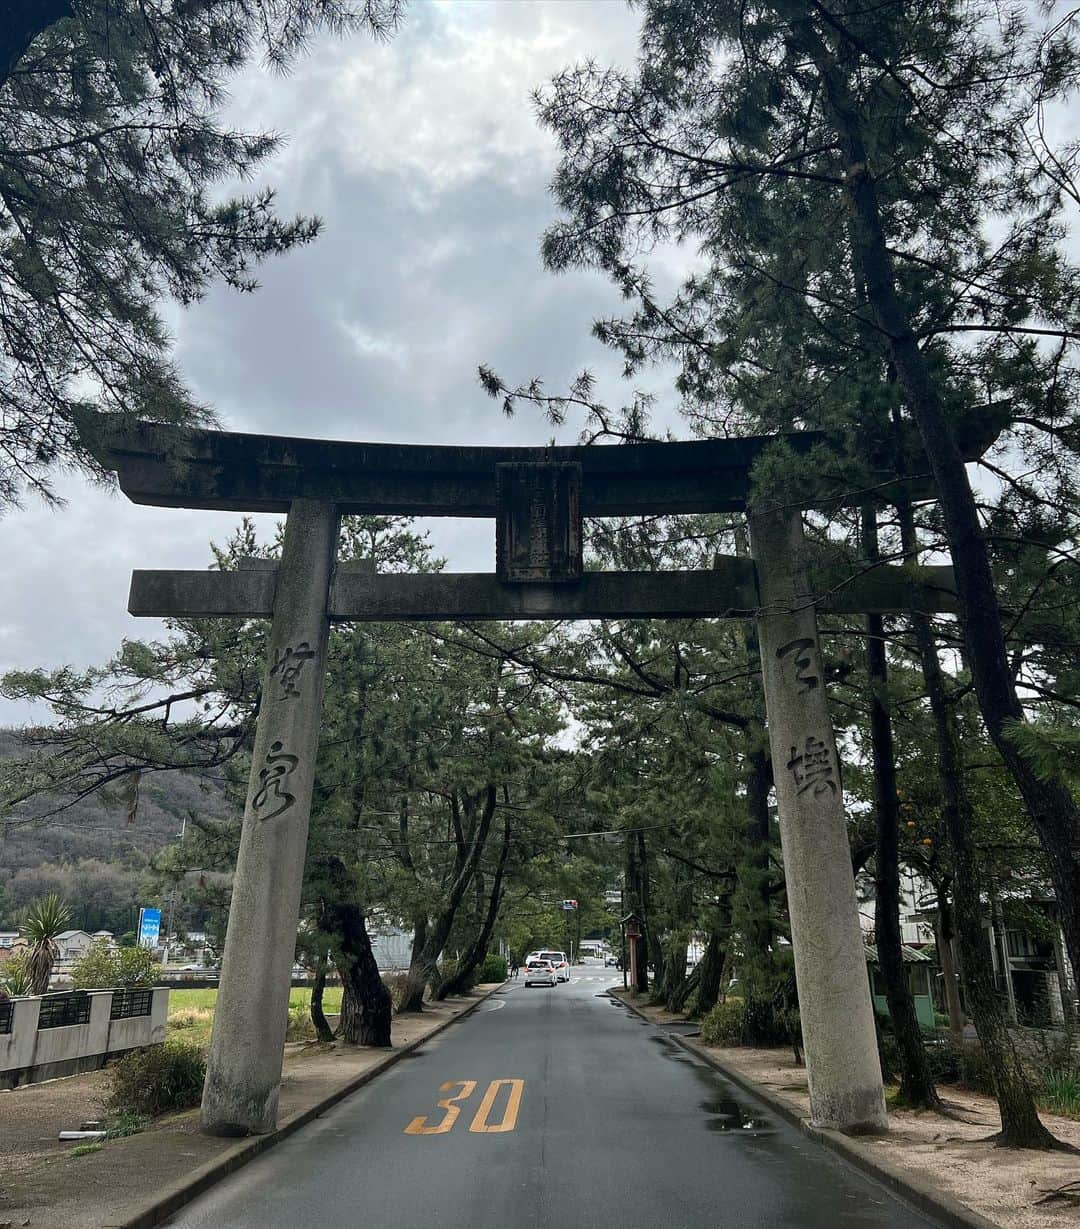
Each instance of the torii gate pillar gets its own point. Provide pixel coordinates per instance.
(830, 965)
(243, 1070)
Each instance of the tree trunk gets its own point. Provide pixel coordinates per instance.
(412, 998)
(711, 977)
(677, 1001)
(1049, 801)
(753, 918)
(1021, 1126)
(40, 959)
(462, 979)
(21, 21)
(366, 1006)
(423, 966)
(682, 917)
(944, 932)
(323, 1031)
(916, 1082)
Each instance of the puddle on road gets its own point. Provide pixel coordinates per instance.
(723, 1112)
(728, 1115)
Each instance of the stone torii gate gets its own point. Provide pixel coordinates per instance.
(538, 497)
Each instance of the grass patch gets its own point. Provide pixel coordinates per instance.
(1060, 1093)
(191, 1013)
(120, 1126)
(84, 1149)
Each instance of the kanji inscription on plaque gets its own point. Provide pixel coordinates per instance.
(538, 522)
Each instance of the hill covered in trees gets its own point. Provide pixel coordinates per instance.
(97, 851)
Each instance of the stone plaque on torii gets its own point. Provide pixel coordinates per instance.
(537, 497)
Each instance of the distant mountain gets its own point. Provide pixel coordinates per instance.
(96, 831)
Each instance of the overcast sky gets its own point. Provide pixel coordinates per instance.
(425, 161)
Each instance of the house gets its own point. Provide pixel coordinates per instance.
(72, 944)
(391, 946)
(1031, 968)
(919, 968)
(10, 942)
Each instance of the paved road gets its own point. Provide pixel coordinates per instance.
(564, 1111)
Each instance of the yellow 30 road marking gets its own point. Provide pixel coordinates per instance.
(480, 1123)
(419, 1126)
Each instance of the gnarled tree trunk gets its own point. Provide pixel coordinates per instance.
(710, 972)
(323, 1031)
(479, 811)
(474, 956)
(366, 1006)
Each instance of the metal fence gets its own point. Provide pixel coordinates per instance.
(60, 1010)
(7, 1015)
(129, 1003)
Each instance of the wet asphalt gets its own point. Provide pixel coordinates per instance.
(610, 1124)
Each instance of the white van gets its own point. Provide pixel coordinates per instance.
(559, 963)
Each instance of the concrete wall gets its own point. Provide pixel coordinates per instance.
(29, 1054)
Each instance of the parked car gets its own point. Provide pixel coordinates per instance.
(540, 973)
(611, 961)
(559, 963)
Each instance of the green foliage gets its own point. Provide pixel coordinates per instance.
(724, 1025)
(120, 1126)
(1060, 1093)
(85, 1149)
(157, 1080)
(15, 975)
(493, 969)
(104, 966)
(45, 919)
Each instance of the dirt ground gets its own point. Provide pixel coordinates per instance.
(1002, 1184)
(43, 1186)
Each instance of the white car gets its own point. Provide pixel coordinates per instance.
(539, 973)
(559, 963)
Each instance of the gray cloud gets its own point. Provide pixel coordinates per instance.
(424, 159)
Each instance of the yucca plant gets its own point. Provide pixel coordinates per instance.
(45, 919)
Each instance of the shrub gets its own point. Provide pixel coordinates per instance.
(105, 967)
(120, 1126)
(493, 968)
(157, 1080)
(396, 984)
(15, 978)
(950, 1062)
(300, 1026)
(724, 1024)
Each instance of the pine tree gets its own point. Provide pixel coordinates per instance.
(111, 151)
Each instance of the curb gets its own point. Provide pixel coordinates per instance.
(174, 1197)
(922, 1195)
